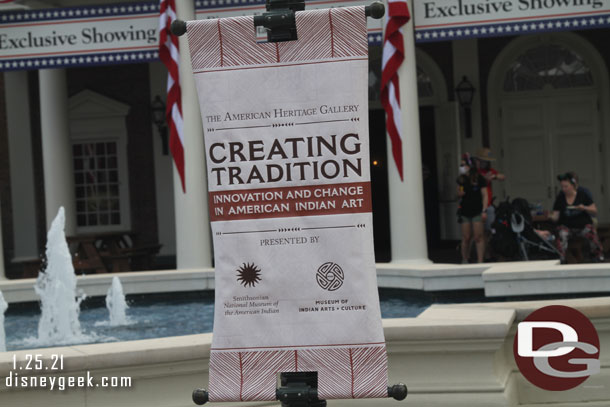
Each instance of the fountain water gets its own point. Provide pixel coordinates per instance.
(56, 287)
(3, 307)
(116, 304)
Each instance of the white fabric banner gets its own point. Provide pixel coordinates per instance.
(286, 135)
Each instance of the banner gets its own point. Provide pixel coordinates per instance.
(446, 20)
(128, 33)
(79, 36)
(286, 138)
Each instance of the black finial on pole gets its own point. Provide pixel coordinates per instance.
(200, 396)
(178, 27)
(397, 391)
(375, 10)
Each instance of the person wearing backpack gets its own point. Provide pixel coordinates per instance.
(472, 191)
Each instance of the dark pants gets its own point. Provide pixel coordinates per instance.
(588, 232)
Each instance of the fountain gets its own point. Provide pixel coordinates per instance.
(3, 307)
(116, 304)
(56, 287)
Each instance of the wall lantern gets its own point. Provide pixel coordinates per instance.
(465, 93)
(158, 112)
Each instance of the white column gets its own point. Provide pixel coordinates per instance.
(193, 236)
(21, 164)
(56, 147)
(2, 272)
(407, 217)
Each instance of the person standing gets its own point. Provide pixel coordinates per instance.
(472, 192)
(574, 210)
(483, 160)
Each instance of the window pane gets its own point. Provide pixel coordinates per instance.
(424, 84)
(114, 190)
(547, 65)
(93, 184)
(92, 205)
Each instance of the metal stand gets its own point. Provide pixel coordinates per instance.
(301, 390)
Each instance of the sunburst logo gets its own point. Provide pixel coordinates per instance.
(248, 275)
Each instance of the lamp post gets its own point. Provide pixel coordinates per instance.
(465, 93)
(158, 111)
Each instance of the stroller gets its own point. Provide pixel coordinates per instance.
(513, 236)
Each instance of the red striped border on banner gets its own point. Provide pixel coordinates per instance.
(231, 42)
(343, 372)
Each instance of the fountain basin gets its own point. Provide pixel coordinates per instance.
(450, 355)
(184, 313)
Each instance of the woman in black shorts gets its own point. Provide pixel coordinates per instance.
(472, 189)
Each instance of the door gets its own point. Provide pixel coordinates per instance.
(547, 135)
(430, 175)
(576, 146)
(448, 155)
(526, 163)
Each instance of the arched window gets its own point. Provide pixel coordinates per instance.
(424, 84)
(548, 65)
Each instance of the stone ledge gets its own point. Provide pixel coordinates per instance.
(530, 279)
(134, 282)
(439, 323)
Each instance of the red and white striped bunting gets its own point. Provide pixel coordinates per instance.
(393, 56)
(169, 53)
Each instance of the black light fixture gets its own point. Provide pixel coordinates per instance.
(158, 112)
(465, 93)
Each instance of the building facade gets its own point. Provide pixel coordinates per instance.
(77, 125)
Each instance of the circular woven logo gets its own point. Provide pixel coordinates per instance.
(330, 276)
